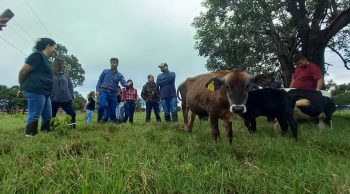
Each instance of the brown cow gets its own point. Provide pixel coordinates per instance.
(217, 95)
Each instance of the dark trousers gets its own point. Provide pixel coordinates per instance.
(66, 106)
(99, 114)
(129, 111)
(149, 107)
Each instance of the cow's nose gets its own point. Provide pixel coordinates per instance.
(238, 108)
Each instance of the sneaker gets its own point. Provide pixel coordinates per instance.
(30, 135)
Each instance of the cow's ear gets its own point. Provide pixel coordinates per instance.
(215, 83)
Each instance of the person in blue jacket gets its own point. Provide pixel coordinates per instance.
(106, 89)
(166, 83)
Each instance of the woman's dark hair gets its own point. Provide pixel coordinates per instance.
(58, 65)
(149, 76)
(91, 94)
(42, 43)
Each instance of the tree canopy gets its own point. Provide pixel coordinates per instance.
(264, 35)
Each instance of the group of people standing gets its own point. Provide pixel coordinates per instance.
(153, 92)
(47, 87)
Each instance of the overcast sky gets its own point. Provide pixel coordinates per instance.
(141, 33)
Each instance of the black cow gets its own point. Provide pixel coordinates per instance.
(311, 104)
(270, 102)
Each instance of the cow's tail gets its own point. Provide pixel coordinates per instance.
(178, 93)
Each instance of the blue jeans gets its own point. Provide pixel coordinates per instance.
(149, 107)
(108, 103)
(89, 114)
(129, 111)
(120, 111)
(170, 105)
(38, 105)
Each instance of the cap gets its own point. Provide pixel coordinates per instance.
(163, 65)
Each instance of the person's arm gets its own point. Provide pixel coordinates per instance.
(24, 72)
(86, 105)
(3, 22)
(292, 82)
(320, 84)
(163, 80)
(143, 93)
(158, 94)
(135, 95)
(70, 86)
(100, 80)
(122, 81)
(317, 74)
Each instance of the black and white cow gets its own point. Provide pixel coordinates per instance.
(312, 105)
(273, 103)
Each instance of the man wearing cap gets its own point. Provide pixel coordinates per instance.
(307, 75)
(106, 88)
(166, 83)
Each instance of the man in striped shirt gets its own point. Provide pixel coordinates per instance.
(129, 97)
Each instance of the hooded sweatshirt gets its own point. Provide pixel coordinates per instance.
(62, 90)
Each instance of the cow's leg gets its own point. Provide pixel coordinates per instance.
(190, 124)
(215, 133)
(247, 124)
(283, 123)
(228, 130)
(185, 115)
(328, 119)
(293, 126)
(252, 125)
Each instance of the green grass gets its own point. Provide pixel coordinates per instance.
(161, 158)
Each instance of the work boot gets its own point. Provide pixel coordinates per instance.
(174, 115)
(46, 126)
(167, 118)
(32, 129)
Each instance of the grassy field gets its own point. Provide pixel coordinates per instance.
(161, 158)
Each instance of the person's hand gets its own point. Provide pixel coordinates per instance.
(3, 22)
(19, 94)
(97, 93)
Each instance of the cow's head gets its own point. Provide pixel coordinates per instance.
(236, 84)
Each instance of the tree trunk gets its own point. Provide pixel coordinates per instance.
(317, 56)
(287, 69)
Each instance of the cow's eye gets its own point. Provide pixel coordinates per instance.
(227, 87)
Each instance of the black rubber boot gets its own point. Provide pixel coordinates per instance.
(167, 118)
(174, 115)
(32, 128)
(46, 126)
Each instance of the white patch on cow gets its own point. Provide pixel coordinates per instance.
(300, 115)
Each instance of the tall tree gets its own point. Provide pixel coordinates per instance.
(74, 70)
(264, 35)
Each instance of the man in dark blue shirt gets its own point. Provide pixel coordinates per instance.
(166, 84)
(107, 89)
